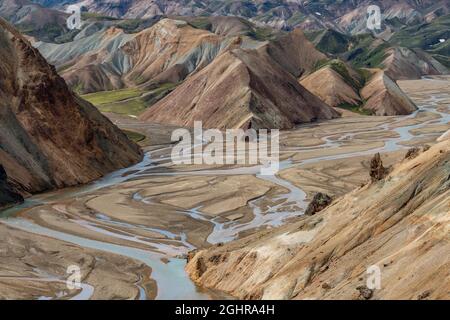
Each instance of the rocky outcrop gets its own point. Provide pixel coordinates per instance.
(49, 137)
(399, 225)
(377, 170)
(412, 153)
(319, 202)
(7, 193)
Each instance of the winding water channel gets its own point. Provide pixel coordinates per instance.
(171, 279)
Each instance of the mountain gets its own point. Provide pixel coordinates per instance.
(430, 36)
(107, 55)
(400, 59)
(104, 57)
(369, 91)
(334, 85)
(404, 63)
(295, 53)
(398, 224)
(345, 16)
(384, 97)
(49, 137)
(34, 20)
(240, 89)
(166, 61)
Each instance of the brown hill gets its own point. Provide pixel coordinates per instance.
(331, 87)
(384, 97)
(172, 51)
(399, 224)
(8, 194)
(50, 138)
(404, 63)
(240, 89)
(295, 53)
(340, 86)
(109, 58)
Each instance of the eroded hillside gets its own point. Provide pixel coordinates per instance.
(49, 136)
(399, 223)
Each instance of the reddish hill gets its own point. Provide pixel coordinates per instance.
(240, 89)
(49, 137)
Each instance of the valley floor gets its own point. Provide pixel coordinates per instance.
(131, 231)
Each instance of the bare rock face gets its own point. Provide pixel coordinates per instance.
(225, 81)
(400, 226)
(377, 170)
(384, 97)
(240, 89)
(49, 137)
(412, 153)
(295, 53)
(7, 193)
(329, 86)
(319, 202)
(404, 63)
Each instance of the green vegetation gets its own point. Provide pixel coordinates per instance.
(124, 101)
(130, 107)
(424, 35)
(78, 88)
(296, 18)
(329, 41)
(201, 23)
(355, 108)
(106, 97)
(262, 33)
(136, 25)
(130, 101)
(48, 33)
(96, 16)
(134, 136)
(445, 60)
(366, 57)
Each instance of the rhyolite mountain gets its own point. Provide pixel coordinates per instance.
(345, 16)
(49, 137)
(370, 91)
(162, 59)
(225, 78)
(241, 88)
(404, 55)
